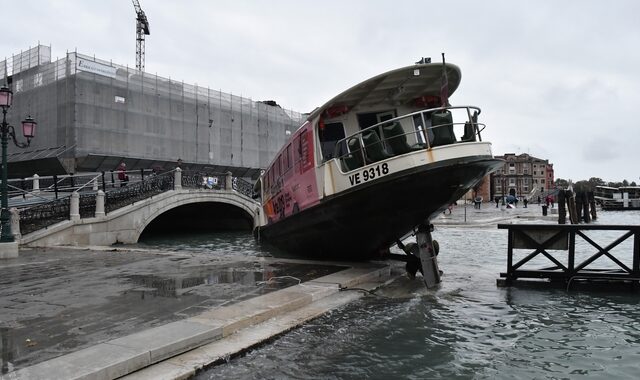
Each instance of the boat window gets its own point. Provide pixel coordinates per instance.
(365, 120)
(296, 149)
(422, 125)
(329, 136)
(288, 157)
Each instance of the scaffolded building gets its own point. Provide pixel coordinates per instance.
(92, 114)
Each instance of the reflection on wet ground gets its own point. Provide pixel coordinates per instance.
(54, 301)
(269, 277)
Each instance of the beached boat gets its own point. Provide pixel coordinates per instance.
(372, 164)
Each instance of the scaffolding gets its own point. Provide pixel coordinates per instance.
(95, 113)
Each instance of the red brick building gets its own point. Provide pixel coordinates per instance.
(523, 176)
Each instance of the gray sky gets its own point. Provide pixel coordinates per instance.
(555, 79)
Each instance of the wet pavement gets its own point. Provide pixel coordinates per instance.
(54, 302)
(57, 301)
(489, 214)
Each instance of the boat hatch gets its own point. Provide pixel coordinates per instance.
(424, 129)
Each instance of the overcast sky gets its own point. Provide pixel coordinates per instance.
(555, 79)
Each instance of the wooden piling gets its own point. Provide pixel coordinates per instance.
(571, 206)
(562, 209)
(579, 207)
(592, 205)
(586, 216)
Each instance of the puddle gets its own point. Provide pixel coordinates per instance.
(269, 277)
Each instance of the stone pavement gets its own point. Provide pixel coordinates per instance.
(70, 313)
(489, 214)
(102, 313)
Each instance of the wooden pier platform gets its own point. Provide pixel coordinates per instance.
(531, 245)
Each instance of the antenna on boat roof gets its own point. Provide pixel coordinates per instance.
(424, 60)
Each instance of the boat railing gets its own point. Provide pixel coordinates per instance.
(419, 130)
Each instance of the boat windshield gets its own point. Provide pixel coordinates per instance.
(425, 129)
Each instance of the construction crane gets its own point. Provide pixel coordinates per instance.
(142, 29)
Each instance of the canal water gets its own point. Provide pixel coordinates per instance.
(467, 329)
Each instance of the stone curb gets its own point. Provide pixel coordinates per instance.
(125, 355)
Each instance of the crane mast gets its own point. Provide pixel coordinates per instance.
(142, 29)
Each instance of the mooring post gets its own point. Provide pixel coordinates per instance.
(585, 208)
(571, 206)
(592, 205)
(578, 204)
(428, 256)
(562, 210)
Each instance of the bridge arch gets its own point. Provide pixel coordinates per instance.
(126, 224)
(248, 207)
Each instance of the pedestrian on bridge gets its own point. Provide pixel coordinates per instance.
(122, 174)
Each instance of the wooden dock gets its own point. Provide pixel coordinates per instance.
(555, 245)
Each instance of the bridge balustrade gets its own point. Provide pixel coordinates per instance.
(139, 187)
(137, 191)
(44, 215)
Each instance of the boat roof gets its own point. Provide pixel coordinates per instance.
(399, 86)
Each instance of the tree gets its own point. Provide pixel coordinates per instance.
(595, 181)
(582, 186)
(563, 183)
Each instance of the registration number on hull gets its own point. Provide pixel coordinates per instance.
(368, 174)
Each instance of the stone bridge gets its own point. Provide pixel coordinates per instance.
(105, 218)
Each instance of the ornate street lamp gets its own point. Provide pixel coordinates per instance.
(29, 131)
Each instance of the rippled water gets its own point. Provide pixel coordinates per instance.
(469, 328)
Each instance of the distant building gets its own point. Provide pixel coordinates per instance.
(482, 190)
(522, 176)
(93, 114)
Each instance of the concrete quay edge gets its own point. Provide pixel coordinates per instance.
(276, 312)
(188, 364)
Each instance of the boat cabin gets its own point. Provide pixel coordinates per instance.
(383, 125)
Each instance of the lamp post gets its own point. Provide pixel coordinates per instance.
(28, 130)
